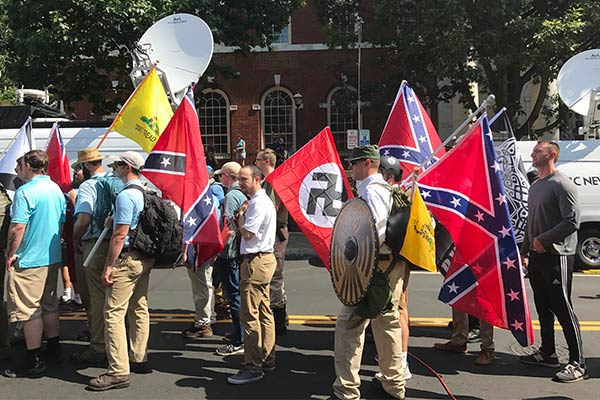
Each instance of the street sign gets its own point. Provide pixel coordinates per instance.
(364, 137)
(352, 138)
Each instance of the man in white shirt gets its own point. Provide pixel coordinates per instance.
(256, 221)
(350, 327)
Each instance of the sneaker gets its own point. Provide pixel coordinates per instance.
(54, 356)
(407, 374)
(88, 357)
(69, 305)
(572, 372)
(451, 347)
(230, 350)
(245, 376)
(484, 358)
(29, 371)
(473, 336)
(196, 332)
(107, 382)
(268, 366)
(140, 367)
(540, 358)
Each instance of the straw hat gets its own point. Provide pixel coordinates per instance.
(87, 154)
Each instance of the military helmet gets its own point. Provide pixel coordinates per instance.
(390, 164)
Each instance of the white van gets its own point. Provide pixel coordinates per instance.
(580, 160)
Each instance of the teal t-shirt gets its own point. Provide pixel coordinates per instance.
(40, 205)
(128, 207)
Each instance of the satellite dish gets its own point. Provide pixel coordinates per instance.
(577, 78)
(183, 44)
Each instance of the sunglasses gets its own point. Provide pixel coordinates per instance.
(120, 163)
(353, 162)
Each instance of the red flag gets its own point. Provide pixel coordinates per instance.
(177, 167)
(464, 191)
(409, 134)
(59, 169)
(313, 186)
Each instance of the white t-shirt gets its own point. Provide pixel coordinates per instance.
(261, 219)
(373, 190)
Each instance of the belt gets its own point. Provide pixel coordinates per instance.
(261, 253)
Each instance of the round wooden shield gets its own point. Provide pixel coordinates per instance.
(354, 251)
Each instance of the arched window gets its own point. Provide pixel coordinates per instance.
(342, 115)
(279, 117)
(213, 112)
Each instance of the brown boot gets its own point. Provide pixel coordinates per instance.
(484, 358)
(451, 347)
(107, 382)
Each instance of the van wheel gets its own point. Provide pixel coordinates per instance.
(588, 248)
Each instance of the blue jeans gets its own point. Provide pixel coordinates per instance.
(228, 270)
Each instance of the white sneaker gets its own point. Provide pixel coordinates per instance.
(407, 374)
(572, 372)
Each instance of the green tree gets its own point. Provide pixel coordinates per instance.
(442, 46)
(76, 48)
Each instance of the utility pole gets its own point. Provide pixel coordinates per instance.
(358, 30)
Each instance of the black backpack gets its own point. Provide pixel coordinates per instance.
(159, 233)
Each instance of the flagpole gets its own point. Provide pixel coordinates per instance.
(483, 105)
(125, 106)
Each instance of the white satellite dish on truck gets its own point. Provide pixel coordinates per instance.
(579, 88)
(183, 46)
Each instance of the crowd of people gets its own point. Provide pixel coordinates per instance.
(112, 276)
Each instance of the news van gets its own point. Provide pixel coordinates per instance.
(580, 160)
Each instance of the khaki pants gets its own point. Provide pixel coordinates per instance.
(127, 297)
(277, 290)
(32, 292)
(460, 323)
(350, 339)
(203, 294)
(255, 313)
(97, 292)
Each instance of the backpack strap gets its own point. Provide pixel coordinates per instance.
(138, 187)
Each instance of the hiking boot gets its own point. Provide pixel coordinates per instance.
(196, 332)
(245, 376)
(377, 388)
(88, 357)
(540, 358)
(140, 368)
(230, 350)
(33, 369)
(572, 372)
(484, 358)
(107, 382)
(473, 336)
(451, 347)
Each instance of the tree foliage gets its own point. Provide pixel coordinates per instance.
(443, 46)
(76, 48)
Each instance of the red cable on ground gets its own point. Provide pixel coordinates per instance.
(433, 371)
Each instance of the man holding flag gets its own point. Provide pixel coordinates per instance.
(349, 327)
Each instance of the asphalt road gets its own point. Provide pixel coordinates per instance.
(186, 369)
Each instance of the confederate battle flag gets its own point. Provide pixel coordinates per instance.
(464, 191)
(177, 167)
(409, 134)
(313, 186)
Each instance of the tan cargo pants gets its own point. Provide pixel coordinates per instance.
(97, 292)
(350, 340)
(127, 297)
(255, 312)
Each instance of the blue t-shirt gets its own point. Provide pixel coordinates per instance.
(87, 195)
(128, 207)
(40, 205)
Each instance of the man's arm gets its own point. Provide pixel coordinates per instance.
(247, 235)
(15, 236)
(116, 246)
(81, 225)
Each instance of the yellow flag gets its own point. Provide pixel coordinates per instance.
(146, 114)
(419, 242)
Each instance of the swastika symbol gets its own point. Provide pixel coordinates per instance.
(328, 194)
